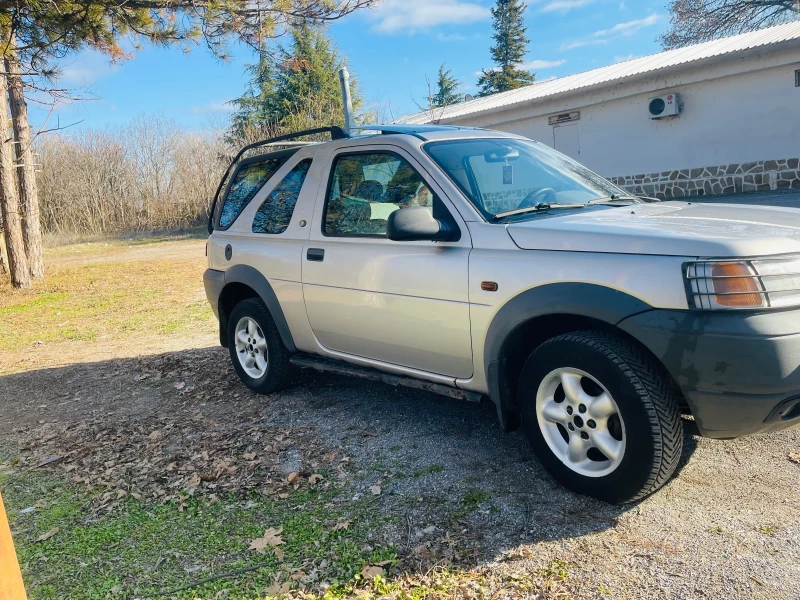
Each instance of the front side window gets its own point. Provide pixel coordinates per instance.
(499, 175)
(245, 184)
(275, 213)
(366, 188)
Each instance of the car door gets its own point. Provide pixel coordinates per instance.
(403, 303)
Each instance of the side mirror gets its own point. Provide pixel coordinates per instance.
(416, 223)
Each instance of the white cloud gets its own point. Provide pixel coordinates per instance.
(211, 108)
(564, 6)
(619, 59)
(409, 16)
(604, 36)
(542, 64)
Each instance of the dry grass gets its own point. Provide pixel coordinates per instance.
(106, 298)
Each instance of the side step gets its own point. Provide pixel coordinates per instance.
(342, 368)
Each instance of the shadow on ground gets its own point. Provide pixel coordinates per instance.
(439, 446)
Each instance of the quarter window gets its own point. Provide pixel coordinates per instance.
(250, 178)
(275, 213)
(366, 188)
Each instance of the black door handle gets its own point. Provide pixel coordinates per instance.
(315, 254)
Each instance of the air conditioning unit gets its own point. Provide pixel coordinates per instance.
(667, 105)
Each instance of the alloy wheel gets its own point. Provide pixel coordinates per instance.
(251, 348)
(580, 422)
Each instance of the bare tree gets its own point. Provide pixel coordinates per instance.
(695, 21)
(9, 201)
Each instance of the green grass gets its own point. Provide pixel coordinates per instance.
(104, 297)
(42, 301)
(555, 571)
(429, 470)
(141, 548)
(472, 499)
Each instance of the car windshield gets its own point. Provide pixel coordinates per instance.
(500, 175)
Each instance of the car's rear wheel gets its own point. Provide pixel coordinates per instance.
(601, 416)
(257, 352)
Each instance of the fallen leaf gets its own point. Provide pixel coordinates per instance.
(193, 481)
(369, 434)
(278, 552)
(341, 525)
(283, 496)
(154, 435)
(180, 385)
(278, 588)
(48, 535)
(293, 476)
(794, 457)
(271, 538)
(315, 478)
(370, 572)
(249, 455)
(376, 490)
(49, 461)
(297, 576)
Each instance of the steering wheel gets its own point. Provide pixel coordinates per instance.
(536, 196)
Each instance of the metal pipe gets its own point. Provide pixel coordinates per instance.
(347, 101)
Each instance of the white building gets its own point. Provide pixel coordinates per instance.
(737, 127)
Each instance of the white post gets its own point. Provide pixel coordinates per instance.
(347, 102)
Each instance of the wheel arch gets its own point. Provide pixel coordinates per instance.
(539, 314)
(243, 282)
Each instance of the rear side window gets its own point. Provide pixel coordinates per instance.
(274, 214)
(246, 182)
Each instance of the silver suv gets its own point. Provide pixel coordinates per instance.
(477, 263)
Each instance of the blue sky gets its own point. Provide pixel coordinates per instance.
(390, 48)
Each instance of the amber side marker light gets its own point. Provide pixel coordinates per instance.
(735, 285)
(488, 286)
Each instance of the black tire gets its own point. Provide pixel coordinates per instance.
(646, 402)
(278, 369)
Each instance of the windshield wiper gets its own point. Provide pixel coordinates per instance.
(535, 208)
(611, 198)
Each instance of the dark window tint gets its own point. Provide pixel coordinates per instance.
(366, 188)
(248, 180)
(275, 213)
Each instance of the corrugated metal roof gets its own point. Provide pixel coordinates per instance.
(616, 72)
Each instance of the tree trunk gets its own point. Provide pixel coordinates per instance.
(26, 171)
(3, 262)
(9, 202)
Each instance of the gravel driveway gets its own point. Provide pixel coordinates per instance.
(727, 526)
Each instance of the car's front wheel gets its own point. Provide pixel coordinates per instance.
(257, 352)
(601, 416)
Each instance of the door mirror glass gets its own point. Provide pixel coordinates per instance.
(415, 223)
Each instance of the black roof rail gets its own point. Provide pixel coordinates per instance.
(337, 133)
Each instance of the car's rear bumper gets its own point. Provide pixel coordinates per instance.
(214, 281)
(739, 371)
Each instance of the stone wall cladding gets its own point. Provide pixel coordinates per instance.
(762, 175)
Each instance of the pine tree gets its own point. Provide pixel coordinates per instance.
(447, 88)
(509, 50)
(296, 89)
